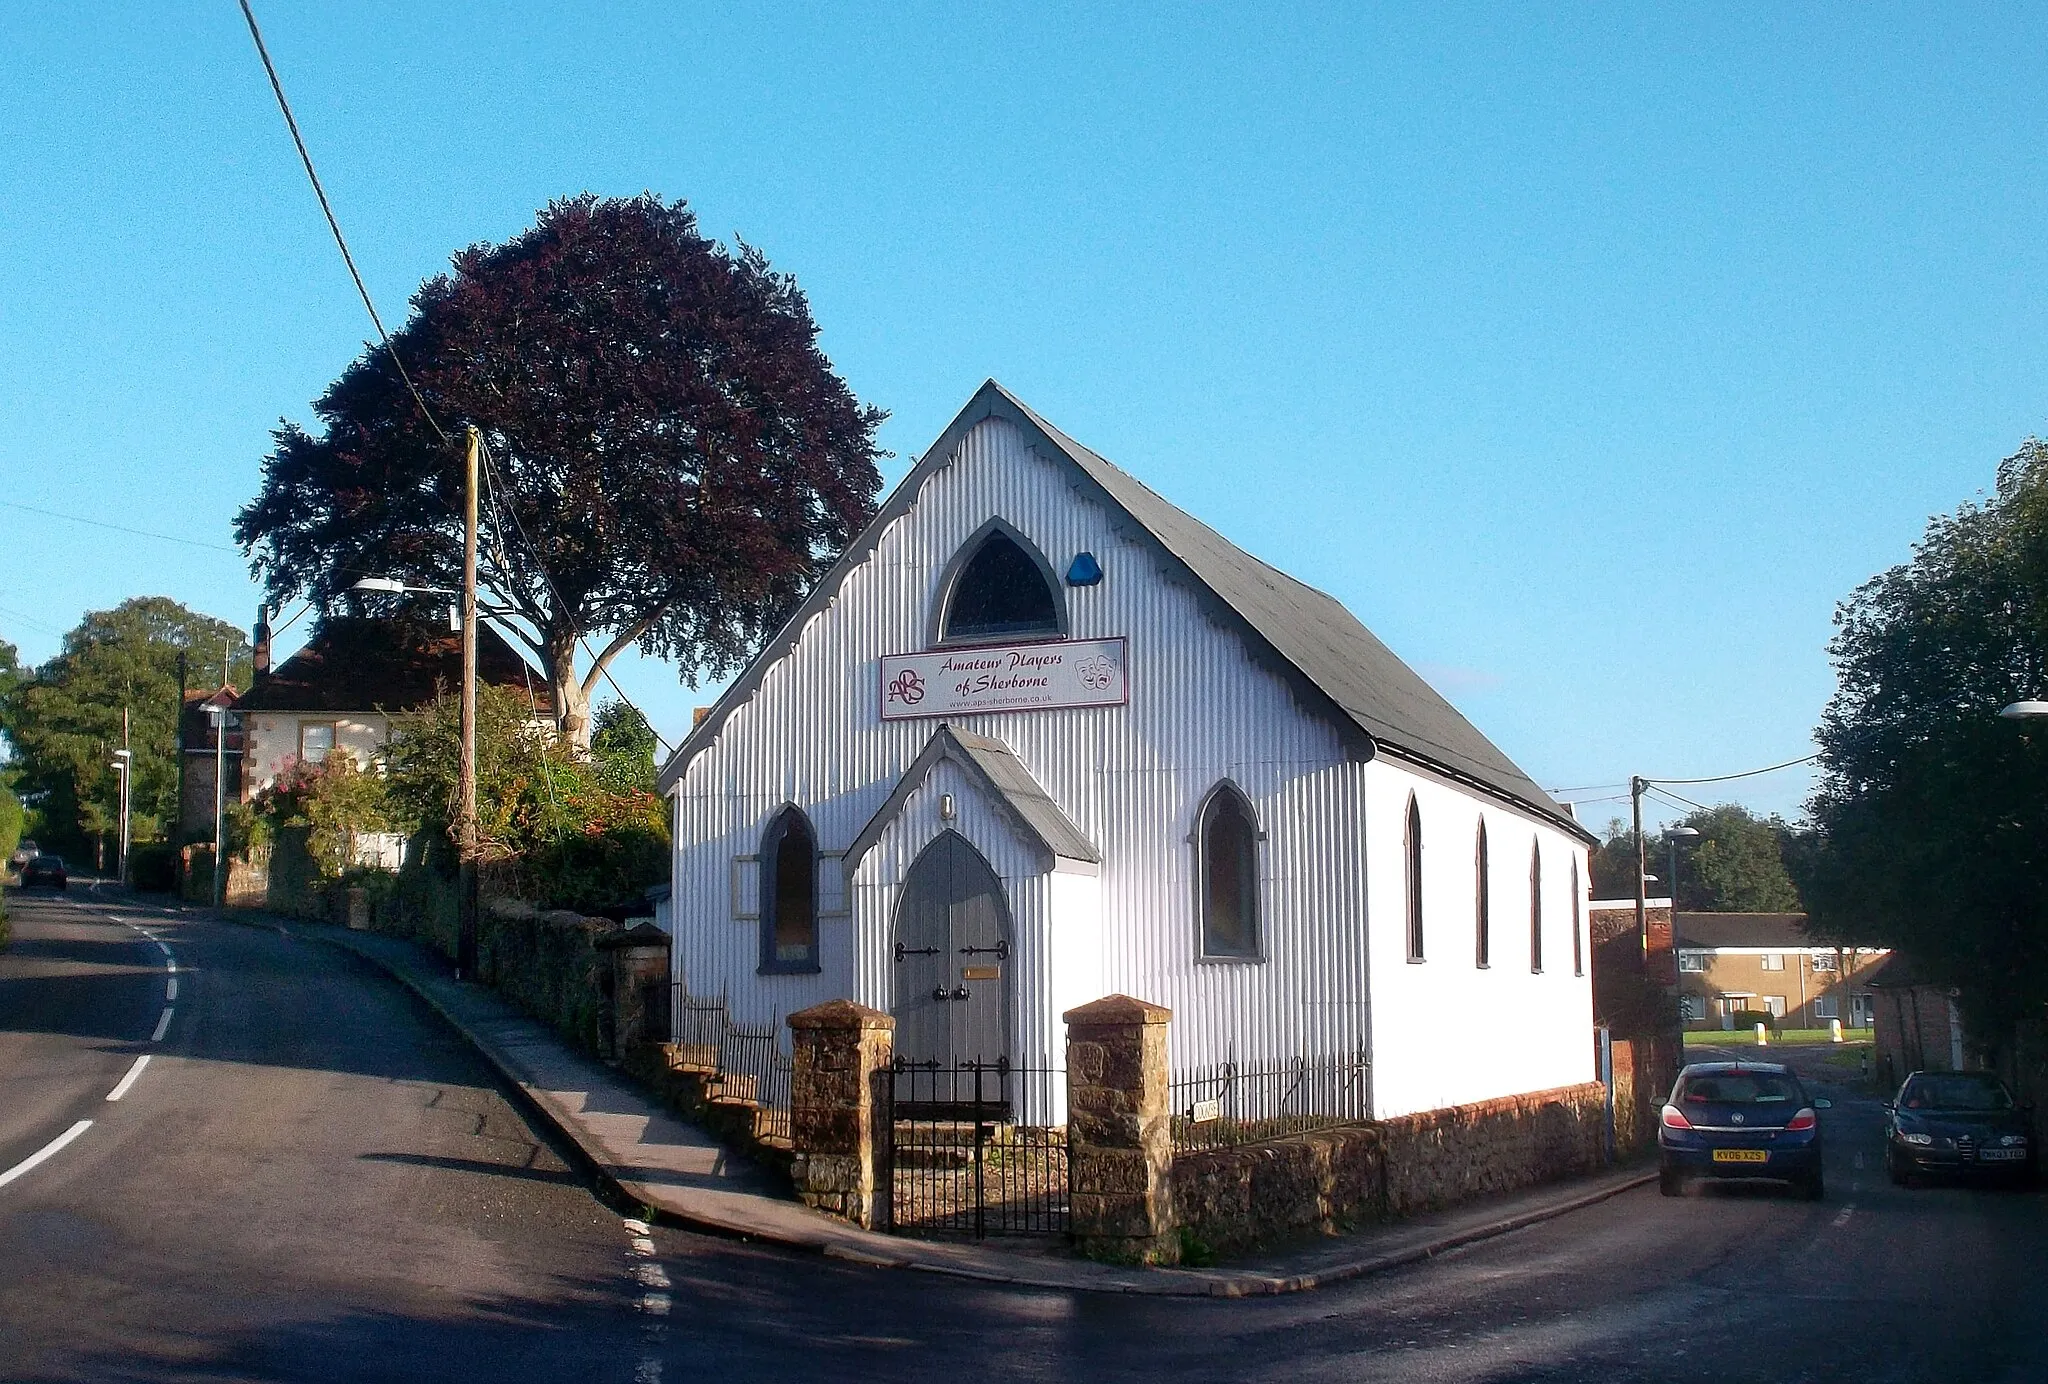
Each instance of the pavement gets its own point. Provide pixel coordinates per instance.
(655, 1159)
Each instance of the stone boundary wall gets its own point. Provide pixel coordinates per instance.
(1325, 1180)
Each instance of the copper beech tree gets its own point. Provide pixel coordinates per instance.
(674, 460)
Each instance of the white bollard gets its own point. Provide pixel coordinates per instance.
(1834, 1030)
(1763, 1036)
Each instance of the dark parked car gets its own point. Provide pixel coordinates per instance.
(1740, 1120)
(45, 869)
(1959, 1123)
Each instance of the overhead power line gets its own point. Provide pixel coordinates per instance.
(1746, 773)
(340, 241)
(118, 528)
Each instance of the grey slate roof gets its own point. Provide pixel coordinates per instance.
(1303, 634)
(1704, 931)
(1009, 785)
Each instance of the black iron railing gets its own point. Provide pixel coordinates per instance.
(969, 1152)
(1231, 1103)
(747, 1061)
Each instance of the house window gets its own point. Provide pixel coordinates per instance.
(1824, 963)
(1578, 942)
(789, 894)
(1692, 1008)
(1774, 961)
(316, 740)
(1536, 907)
(1482, 902)
(1411, 849)
(1004, 590)
(1692, 962)
(1228, 839)
(1774, 1005)
(1827, 1007)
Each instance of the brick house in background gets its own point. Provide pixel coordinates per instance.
(1919, 1026)
(339, 693)
(1731, 963)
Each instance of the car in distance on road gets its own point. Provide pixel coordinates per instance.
(1958, 1123)
(1746, 1120)
(24, 851)
(45, 869)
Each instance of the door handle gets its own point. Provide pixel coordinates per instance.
(960, 992)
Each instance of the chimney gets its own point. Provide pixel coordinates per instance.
(261, 643)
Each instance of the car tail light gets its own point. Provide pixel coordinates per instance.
(1674, 1118)
(1803, 1120)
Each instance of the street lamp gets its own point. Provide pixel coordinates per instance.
(2022, 711)
(465, 772)
(1672, 836)
(120, 764)
(220, 716)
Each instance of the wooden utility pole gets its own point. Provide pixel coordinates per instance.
(465, 791)
(1636, 784)
(465, 772)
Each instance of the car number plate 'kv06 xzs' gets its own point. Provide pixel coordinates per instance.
(1741, 1156)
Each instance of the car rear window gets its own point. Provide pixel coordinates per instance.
(1955, 1092)
(1738, 1088)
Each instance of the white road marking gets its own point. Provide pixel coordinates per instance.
(655, 1302)
(46, 1152)
(171, 990)
(655, 1305)
(642, 1245)
(129, 1080)
(651, 1275)
(1842, 1217)
(163, 1025)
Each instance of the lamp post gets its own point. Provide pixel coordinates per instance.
(1672, 836)
(220, 716)
(120, 764)
(2024, 711)
(465, 772)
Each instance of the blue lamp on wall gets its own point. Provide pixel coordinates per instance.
(1084, 570)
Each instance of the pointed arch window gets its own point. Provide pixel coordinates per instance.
(1578, 920)
(789, 894)
(1536, 906)
(1227, 845)
(1411, 854)
(1001, 588)
(1482, 902)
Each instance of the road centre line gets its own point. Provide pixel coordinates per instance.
(129, 1080)
(46, 1152)
(163, 1025)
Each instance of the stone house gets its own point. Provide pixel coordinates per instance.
(1731, 963)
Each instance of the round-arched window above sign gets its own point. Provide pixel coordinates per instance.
(1003, 590)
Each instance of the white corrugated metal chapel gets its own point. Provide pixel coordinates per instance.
(1040, 737)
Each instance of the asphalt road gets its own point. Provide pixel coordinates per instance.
(312, 1180)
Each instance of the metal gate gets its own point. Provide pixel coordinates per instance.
(971, 1151)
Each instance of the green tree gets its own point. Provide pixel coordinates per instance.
(1737, 863)
(64, 720)
(1931, 816)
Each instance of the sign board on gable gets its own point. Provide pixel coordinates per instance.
(1008, 677)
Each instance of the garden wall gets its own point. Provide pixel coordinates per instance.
(1325, 1180)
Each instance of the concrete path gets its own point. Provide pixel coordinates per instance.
(661, 1161)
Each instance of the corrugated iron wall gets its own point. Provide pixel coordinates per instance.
(1131, 777)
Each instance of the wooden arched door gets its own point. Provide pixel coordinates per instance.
(951, 987)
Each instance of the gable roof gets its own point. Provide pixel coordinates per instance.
(1705, 931)
(1305, 635)
(1009, 785)
(362, 663)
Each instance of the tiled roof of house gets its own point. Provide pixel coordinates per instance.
(357, 663)
(1709, 930)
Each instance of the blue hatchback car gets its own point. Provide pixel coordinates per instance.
(1740, 1120)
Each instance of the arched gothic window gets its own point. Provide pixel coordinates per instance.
(1536, 906)
(1578, 921)
(789, 894)
(1003, 590)
(1412, 855)
(1227, 839)
(1482, 902)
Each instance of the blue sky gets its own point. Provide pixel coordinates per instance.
(1589, 357)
